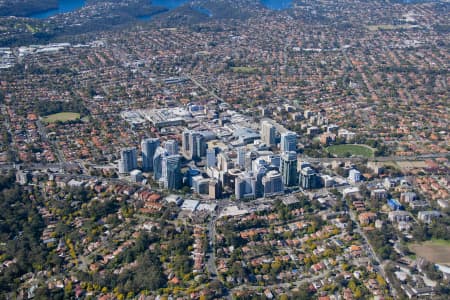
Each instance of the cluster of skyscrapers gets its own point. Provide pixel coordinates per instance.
(268, 175)
(194, 144)
(164, 162)
(246, 169)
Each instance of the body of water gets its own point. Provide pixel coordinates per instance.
(272, 4)
(71, 5)
(277, 4)
(170, 4)
(145, 18)
(64, 7)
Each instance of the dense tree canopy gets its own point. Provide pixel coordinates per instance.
(21, 227)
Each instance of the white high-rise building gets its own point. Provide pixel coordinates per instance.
(268, 133)
(354, 176)
(160, 153)
(223, 162)
(250, 156)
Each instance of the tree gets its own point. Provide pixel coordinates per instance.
(303, 293)
(237, 271)
(68, 289)
(21, 228)
(217, 287)
(381, 281)
(182, 265)
(275, 267)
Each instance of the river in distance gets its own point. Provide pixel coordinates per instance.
(71, 5)
(64, 6)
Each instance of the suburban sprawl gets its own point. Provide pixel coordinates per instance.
(227, 152)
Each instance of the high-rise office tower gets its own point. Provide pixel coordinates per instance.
(211, 157)
(148, 148)
(275, 160)
(193, 144)
(197, 145)
(185, 142)
(245, 185)
(259, 187)
(273, 184)
(268, 133)
(214, 189)
(309, 179)
(241, 157)
(288, 141)
(171, 146)
(172, 177)
(289, 168)
(128, 160)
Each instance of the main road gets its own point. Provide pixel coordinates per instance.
(212, 268)
(378, 158)
(43, 132)
(202, 87)
(211, 253)
(297, 283)
(372, 252)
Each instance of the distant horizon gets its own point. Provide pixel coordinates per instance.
(65, 6)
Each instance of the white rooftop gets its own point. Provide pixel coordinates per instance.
(190, 205)
(207, 207)
(233, 211)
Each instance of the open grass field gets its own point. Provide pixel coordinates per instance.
(31, 28)
(62, 117)
(390, 27)
(436, 251)
(244, 70)
(355, 150)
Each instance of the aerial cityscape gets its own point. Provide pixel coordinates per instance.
(225, 149)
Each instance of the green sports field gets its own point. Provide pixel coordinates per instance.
(354, 150)
(62, 117)
(245, 70)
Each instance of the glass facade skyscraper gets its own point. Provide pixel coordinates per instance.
(148, 148)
